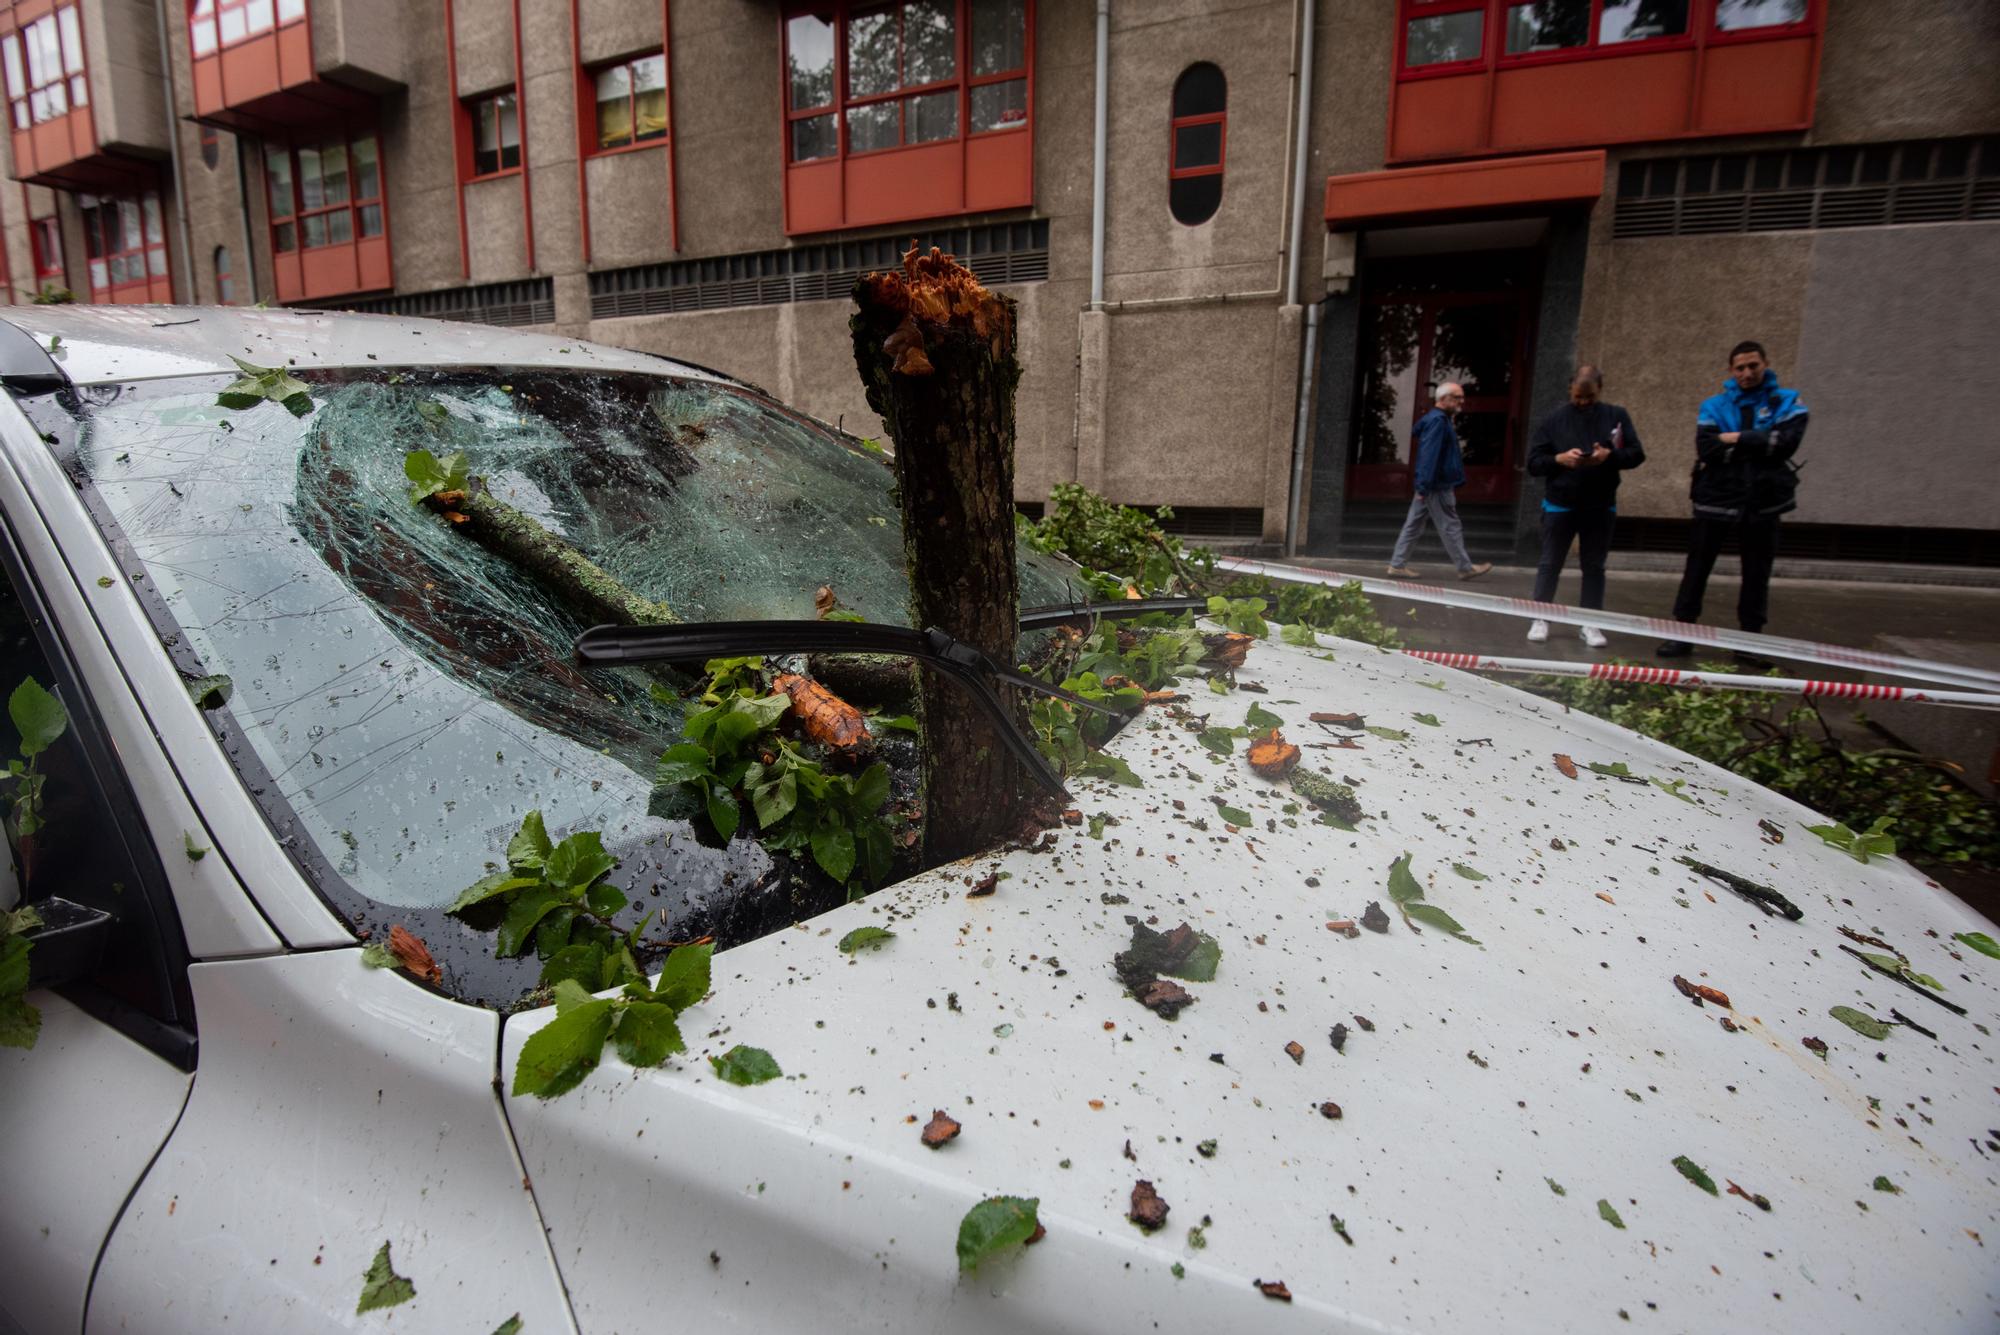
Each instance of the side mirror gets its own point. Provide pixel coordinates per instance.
(68, 945)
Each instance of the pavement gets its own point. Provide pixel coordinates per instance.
(1943, 622)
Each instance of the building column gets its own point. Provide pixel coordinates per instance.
(1333, 416)
(1093, 393)
(1281, 420)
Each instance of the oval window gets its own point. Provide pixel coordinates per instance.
(1196, 145)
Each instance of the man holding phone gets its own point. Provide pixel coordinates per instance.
(1580, 448)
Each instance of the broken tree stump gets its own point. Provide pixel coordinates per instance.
(936, 353)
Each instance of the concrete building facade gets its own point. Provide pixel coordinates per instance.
(1308, 212)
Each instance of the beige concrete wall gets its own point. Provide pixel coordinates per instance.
(1908, 69)
(418, 166)
(361, 42)
(485, 34)
(614, 28)
(726, 110)
(495, 227)
(630, 200)
(122, 60)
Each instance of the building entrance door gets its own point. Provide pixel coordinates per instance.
(1414, 340)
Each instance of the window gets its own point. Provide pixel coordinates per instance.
(211, 147)
(225, 281)
(863, 80)
(45, 245)
(125, 243)
(324, 194)
(631, 103)
(44, 65)
(1557, 25)
(1736, 15)
(1196, 144)
(496, 134)
(214, 24)
(1444, 38)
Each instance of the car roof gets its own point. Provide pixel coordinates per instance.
(107, 344)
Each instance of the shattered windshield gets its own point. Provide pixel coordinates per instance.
(408, 695)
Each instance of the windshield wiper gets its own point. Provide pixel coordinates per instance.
(604, 646)
(1063, 614)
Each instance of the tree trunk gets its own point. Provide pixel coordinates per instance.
(936, 353)
(581, 584)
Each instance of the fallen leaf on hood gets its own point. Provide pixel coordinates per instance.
(1148, 1210)
(1340, 720)
(1330, 1111)
(986, 885)
(1374, 919)
(1226, 650)
(1700, 994)
(1274, 1288)
(940, 1129)
(1272, 756)
(1566, 765)
(1338, 1037)
(1163, 998)
(382, 1286)
(996, 1223)
(826, 718)
(1759, 1201)
(1296, 1051)
(1815, 1045)
(412, 955)
(1861, 1022)
(1367, 1025)
(1691, 1170)
(1609, 1215)
(1605, 897)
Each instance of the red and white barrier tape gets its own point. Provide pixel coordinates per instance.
(1718, 681)
(1769, 646)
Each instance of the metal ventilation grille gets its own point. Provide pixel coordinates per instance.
(529, 302)
(1849, 185)
(997, 253)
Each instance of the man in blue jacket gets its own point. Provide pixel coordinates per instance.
(1438, 473)
(1744, 478)
(1581, 449)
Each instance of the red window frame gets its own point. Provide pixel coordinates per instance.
(31, 98)
(102, 248)
(592, 73)
(1701, 31)
(1177, 172)
(207, 19)
(299, 218)
(45, 250)
(472, 106)
(962, 81)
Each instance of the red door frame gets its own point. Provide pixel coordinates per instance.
(1484, 483)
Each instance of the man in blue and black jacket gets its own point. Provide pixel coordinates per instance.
(1581, 449)
(1436, 474)
(1744, 478)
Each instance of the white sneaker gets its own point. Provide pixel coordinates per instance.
(1538, 631)
(1592, 636)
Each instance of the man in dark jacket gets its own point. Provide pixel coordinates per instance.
(1581, 448)
(1437, 474)
(1744, 478)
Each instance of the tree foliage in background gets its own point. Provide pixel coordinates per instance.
(1788, 747)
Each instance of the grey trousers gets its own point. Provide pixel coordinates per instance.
(1440, 507)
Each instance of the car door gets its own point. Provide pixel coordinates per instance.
(82, 1112)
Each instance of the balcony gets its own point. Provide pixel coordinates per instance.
(269, 67)
(84, 97)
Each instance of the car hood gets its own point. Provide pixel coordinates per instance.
(1512, 1114)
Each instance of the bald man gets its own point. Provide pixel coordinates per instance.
(1438, 473)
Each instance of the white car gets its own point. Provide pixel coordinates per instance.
(1615, 1095)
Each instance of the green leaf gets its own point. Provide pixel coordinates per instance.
(382, 1286)
(647, 1034)
(745, 1066)
(562, 1052)
(488, 887)
(1555, 1186)
(429, 474)
(1102, 766)
(38, 716)
(996, 1223)
(578, 860)
(1403, 886)
(1437, 685)
(1691, 1170)
(1884, 1184)
(1389, 734)
(1861, 1022)
(723, 813)
(1233, 815)
(684, 978)
(1980, 942)
(569, 995)
(1432, 916)
(1887, 962)
(212, 691)
(195, 852)
(604, 900)
(1200, 965)
(1470, 873)
(512, 1325)
(1300, 634)
(864, 936)
(1616, 770)
(523, 916)
(1219, 740)
(14, 965)
(900, 723)
(1673, 789)
(581, 963)
(684, 762)
(1609, 1215)
(20, 1021)
(376, 955)
(833, 850)
(1262, 718)
(1430, 719)
(775, 800)
(530, 847)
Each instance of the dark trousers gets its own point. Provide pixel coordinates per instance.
(1592, 530)
(1758, 538)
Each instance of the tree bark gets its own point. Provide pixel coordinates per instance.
(936, 353)
(581, 584)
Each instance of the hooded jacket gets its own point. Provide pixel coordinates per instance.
(1755, 475)
(1572, 428)
(1440, 464)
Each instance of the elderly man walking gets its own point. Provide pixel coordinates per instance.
(1438, 474)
